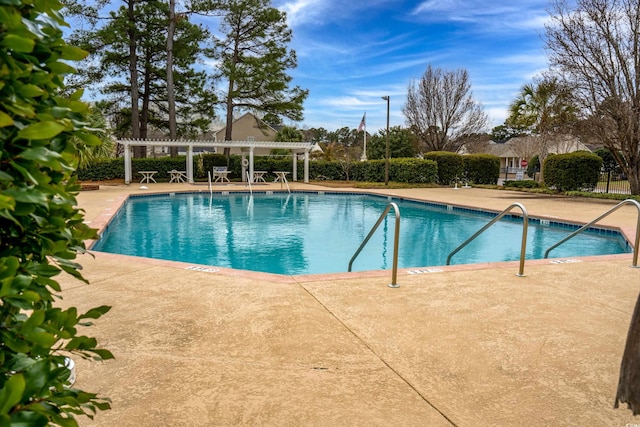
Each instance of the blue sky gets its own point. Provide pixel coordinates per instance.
(351, 53)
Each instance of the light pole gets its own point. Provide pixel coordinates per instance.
(386, 163)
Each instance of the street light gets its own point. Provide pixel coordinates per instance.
(386, 163)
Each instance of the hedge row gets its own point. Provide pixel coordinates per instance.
(400, 170)
(572, 171)
(481, 168)
(527, 183)
(441, 167)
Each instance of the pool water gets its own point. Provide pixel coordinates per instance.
(310, 233)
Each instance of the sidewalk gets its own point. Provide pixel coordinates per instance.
(464, 346)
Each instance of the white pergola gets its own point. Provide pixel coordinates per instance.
(246, 147)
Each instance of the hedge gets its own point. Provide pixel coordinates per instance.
(572, 171)
(400, 170)
(527, 183)
(450, 166)
(482, 168)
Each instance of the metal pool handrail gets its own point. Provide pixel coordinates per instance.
(249, 183)
(525, 226)
(610, 211)
(394, 272)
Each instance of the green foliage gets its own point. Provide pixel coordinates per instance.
(572, 171)
(450, 166)
(533, 166)
(482, 168)
(528, 183)
(254, 60)
(108, 67)
(289, 134)
(507, 131)
(609, 163)
(400, 170)
(544, 105)
(402, 143)
(606, 196)
(413, 170)
(41, 229)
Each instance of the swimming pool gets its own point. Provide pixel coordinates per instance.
(311, 232)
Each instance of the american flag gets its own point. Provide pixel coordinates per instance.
(363, 123)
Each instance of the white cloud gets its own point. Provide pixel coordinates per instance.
(300, 12)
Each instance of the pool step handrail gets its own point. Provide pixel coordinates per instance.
(610, 211)
(249, 183)
(396, 238)
(286, 182)
(525, 227)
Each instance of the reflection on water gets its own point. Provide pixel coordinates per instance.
(306, 233)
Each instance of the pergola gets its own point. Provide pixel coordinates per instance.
(246, 147)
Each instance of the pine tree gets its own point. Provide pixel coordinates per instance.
(254, 59)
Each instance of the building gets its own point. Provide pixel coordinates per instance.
(248, 128)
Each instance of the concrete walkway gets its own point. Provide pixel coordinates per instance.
(463, 346)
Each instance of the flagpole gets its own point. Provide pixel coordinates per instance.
(364, 152)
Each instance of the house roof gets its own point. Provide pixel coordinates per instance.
(266, 125)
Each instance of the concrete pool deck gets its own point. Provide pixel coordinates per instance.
(462, 345)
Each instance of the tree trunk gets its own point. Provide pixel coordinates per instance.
(544, 153)
(629, 381)
(146, 95)
(133, 76)
(171, 98)
(633, 176)
(229, 127)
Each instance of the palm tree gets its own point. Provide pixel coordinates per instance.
(91, 154)
(543, 107)
(331, 151)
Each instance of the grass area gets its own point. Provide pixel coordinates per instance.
(371, 185)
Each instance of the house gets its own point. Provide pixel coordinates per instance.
(517, 151)
(248, 128)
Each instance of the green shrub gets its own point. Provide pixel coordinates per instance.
(450, 166)
(401, 170)
(572, 171)
(41, 229)
(609, 163)
(413, 170)
(533, 166)
(482, 168)
(529, 183)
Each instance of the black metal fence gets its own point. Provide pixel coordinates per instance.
(611, 182)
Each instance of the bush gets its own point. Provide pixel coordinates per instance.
(522, 184)
(572, 171)
(401, 170)
(482, 168)
(413, 170)
(533, 166)
(41, 229)
(450, 166)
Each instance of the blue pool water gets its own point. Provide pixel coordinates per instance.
(309, 233)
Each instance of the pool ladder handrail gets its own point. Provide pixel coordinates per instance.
(523, 247)
(610, 211)
(394, 271)
(249, 183)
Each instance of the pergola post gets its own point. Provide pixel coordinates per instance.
(127, 162)
(306, 166)
(190, 163)
(251, 164)
(295, 165)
